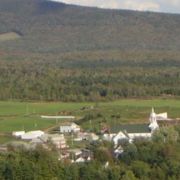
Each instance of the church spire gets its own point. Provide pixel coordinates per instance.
(152, 110)
(153, 121)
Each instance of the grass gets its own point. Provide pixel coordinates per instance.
(6, 139)
(16, 116)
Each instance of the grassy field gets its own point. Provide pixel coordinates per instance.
(16, 116)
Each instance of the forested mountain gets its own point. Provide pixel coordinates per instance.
(54, 51)
(48, 26)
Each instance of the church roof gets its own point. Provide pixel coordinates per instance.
(130, 128)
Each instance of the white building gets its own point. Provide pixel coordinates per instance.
(162, 116)
(123, 135)
(69, 127)
(18, 134)
(153, 121)
(118, 137)
(32, 135)
(108, 137)
(139, 135)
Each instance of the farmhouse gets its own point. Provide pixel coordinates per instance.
(69, 127)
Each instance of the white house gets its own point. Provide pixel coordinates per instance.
(69, 127)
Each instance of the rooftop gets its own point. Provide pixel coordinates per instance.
(130, 128)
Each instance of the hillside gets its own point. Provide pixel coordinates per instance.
(49, 27)
(54, 51)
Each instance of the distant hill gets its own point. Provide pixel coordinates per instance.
(50, 27)
(53, 51)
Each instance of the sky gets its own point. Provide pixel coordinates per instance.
(172, 6)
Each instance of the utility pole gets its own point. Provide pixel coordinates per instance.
(72, 140)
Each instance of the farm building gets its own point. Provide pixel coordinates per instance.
(69, 127)
(18, 134)
(32, 135)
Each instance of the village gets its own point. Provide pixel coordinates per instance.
(71, 141)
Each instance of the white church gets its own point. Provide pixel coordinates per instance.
(153, 121)
(123, 135)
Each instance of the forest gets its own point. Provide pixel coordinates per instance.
(156, 159)
(97, 80)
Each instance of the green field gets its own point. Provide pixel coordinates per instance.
(16, 116)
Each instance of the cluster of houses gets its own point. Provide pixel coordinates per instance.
(59, 140)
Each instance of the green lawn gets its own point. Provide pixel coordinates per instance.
(26, 115)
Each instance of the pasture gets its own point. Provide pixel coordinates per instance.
(15, 116)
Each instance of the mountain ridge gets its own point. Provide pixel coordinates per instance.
(59, 27)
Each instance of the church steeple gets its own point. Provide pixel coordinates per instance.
(152, 117)
(153, 121)
(152, 111)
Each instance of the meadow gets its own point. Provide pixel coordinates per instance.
(15, 116)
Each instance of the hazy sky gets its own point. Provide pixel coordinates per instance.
(172, 6)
